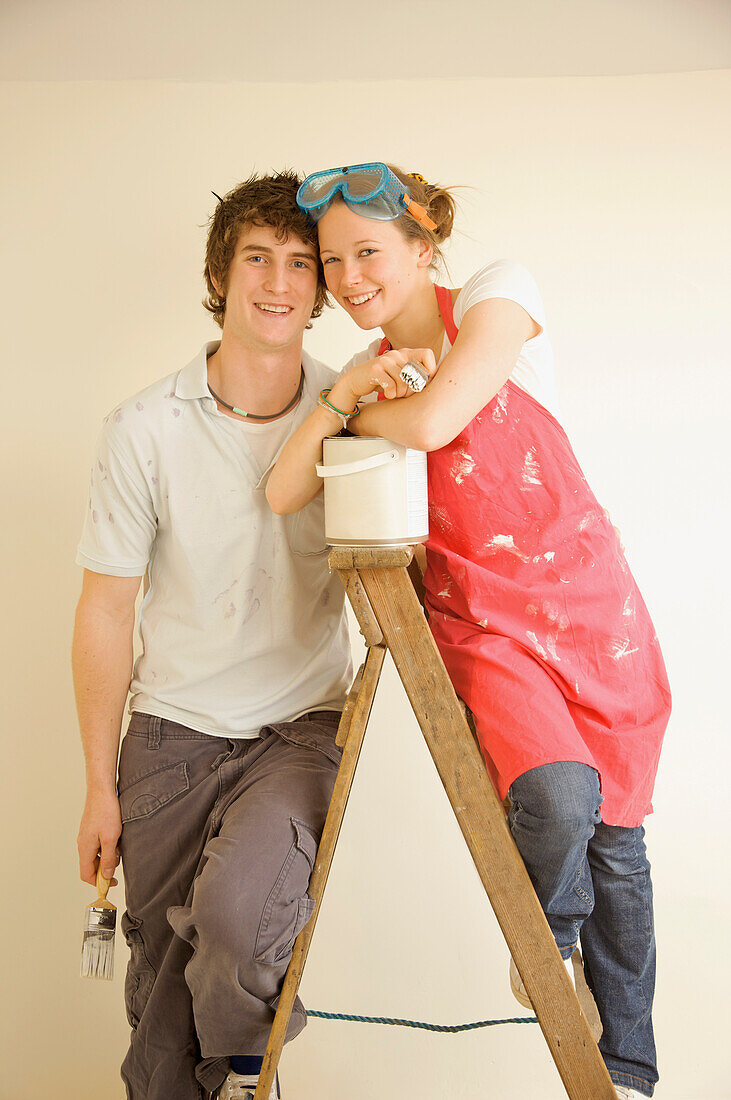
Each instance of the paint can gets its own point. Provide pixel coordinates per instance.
(375, 492)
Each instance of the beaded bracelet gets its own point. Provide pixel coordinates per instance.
(345, 417)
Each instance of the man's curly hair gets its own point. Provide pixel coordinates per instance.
(267, 201)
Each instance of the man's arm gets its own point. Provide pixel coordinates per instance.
(102, 667)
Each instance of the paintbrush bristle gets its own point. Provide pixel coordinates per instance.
(97, 952)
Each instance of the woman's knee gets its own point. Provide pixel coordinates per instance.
(562, 798)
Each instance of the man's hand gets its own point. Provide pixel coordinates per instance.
(99, 832)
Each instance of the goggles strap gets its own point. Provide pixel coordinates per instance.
(418, 213)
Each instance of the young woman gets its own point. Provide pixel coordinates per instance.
(531, 602)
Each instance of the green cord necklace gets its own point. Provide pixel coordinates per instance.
(269, 416)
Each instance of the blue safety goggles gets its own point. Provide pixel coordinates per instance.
(371, 190)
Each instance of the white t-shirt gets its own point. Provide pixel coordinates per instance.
(534, 370)
(242, 623)
(266, 440)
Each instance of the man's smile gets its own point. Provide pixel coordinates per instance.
(271, 307)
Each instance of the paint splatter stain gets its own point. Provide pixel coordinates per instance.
(621, 648)
(118, 416)
(230, 611)
(556, 622)
(100, 466)
(501, 405)
(253, 607)
(226, 591)
(139, 406)
(325, 598)
(462, 465)
(536, 645)
(446, 591)
(153, 480)
(440, 517)
(531, 474)
(506, 543)
(95, 515)
(176, 412)
(110, 517)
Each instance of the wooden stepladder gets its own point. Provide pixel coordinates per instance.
(385, 603)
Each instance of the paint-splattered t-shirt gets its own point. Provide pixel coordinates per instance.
(242, 623)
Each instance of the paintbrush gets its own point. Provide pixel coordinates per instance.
(100, 919)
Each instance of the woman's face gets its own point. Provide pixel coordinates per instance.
(371, 269)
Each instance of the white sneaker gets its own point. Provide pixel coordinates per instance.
(575, 969)
(624, 1093)
(242, 1086)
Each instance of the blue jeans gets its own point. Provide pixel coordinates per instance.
(593, 881)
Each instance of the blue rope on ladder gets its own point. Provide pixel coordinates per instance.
(450, 1028)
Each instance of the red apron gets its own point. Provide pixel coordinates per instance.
(531, 602)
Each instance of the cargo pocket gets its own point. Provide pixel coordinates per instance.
(289, 906)
(140, 976)
(150, 793)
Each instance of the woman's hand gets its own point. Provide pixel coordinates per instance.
(381, 374)
(480, 362)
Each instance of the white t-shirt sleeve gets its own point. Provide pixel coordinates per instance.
(501, 279)
(121, 523)
(370, 352)
(534, 370)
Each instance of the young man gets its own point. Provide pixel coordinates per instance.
(227, 768)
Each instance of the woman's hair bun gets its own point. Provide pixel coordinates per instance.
(438, 203)
(441, 208)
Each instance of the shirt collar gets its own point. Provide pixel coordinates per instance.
(192, 381)
(192, 384)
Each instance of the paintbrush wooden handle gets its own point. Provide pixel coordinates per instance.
(102, 885)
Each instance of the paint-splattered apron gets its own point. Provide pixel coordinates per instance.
(538, 619)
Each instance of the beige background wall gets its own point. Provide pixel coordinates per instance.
(614, 192)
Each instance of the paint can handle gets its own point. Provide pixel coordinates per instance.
(371, 463)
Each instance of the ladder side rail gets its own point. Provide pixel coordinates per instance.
(481, 818)
(357, 721)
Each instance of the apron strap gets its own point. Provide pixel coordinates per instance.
(444, 301)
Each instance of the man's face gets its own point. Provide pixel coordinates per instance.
(270, 292)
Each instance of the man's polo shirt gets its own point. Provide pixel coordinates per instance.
(242, 623)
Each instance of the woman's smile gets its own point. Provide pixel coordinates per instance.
(356, 300)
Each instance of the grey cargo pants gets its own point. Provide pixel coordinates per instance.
(218, 843)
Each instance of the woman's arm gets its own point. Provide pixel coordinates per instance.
(293, 482)
(483, 356)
